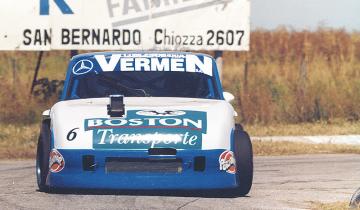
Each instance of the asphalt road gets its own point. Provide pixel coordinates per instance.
(286, 182)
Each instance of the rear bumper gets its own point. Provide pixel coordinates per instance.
(74, 176)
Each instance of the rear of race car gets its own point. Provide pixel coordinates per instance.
(151, 147)
(143, 121)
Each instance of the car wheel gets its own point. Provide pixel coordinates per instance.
(355, 200)
(42, 157)
(244, 161)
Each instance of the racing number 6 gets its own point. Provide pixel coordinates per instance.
(71, 135)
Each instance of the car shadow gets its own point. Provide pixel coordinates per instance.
(173, 193)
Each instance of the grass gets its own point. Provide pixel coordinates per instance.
(18, 141)
(293, 77)
(330, 206)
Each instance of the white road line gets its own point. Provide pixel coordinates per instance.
(339, 139)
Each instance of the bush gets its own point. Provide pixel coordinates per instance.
(293, 77)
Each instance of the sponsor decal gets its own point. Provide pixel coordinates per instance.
(227, 162)
(144, 129)
(146, 62)
(56, 161)
(160, 113)
(83, 67)
(71, 136)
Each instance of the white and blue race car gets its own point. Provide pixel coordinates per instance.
(143, 120)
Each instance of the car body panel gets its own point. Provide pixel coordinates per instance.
(68, 115)
(73, 176)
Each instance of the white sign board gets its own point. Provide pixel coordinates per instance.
(125, 25)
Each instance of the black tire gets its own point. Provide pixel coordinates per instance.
(355, 200)
(42, 156)
(244, 161)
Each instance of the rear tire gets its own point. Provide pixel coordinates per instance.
(244, 161)
(355, 200)
(42, 156)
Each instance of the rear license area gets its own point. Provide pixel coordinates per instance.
(145, 165)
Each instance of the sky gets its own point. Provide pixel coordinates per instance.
(305, 14)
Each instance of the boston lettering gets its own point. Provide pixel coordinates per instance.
(160, 122)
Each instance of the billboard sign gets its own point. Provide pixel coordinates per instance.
(125, 25)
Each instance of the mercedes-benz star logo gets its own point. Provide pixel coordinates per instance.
(83, 67)
(170, 113)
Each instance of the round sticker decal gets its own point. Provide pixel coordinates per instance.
(227, 162)
(56, 161)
